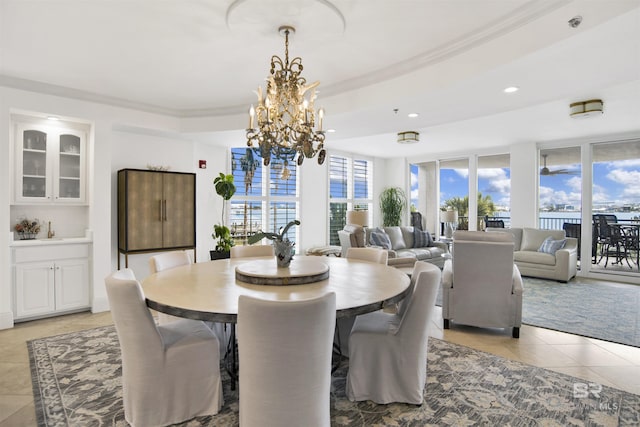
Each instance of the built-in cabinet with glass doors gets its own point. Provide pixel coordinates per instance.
(50, 165)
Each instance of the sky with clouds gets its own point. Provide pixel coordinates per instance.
(614, 183)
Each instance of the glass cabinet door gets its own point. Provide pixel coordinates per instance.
(34, 163)
(69, 166)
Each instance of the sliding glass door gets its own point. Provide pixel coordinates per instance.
(616, 207)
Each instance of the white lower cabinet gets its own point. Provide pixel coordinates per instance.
(49, 280)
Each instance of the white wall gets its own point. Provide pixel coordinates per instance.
(524, 185)
(209, 204)
(6, 307)
(314, 211)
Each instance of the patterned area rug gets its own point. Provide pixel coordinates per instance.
(607, 311)
(76, 382)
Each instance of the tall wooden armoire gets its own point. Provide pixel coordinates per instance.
(156, 211)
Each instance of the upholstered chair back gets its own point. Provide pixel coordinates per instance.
(167, 260)
(482, 276)
(169, 373)
(378, 255)
(388, 352)
(285, 361)
(128, 308)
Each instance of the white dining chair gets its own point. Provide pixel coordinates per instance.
(378, 255)
(344, 324)
(285, 361)
(251, 251)
(388, 352)
(166, 261)
(173, 259)
(170, 373)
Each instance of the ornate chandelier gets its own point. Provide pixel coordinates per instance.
(285, 113)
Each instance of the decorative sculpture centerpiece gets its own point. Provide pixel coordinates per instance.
(283, 247)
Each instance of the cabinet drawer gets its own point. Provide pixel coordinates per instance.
(50, 253)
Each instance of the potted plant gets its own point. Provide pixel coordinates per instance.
(225, 188)
(282, 246)
(392, 204)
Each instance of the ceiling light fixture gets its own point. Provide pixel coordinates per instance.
(582, 109)
(511, 89)
(412, 115)
(408, 137)
(285, 115)
(53, 118)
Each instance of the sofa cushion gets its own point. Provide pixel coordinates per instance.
(515, 232)
(395, 235)
(357, 235)
(550, 246)
(367, 234)
(421, 239)
(531, 257)
(407, 235)
(532, 238)
(381, 239)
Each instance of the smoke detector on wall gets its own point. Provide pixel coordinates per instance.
(583, 109)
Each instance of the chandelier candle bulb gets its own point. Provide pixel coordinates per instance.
(320, 117)
(252, 113)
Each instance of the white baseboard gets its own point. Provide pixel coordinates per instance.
(99, 305)
(6, 320)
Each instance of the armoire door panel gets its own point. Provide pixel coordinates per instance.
(179, 210)
(144, 210)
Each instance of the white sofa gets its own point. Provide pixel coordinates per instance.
(561, 266)
(402, 252)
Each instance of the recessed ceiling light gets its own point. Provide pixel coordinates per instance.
(331, 130)
(412, 115)
(53, 118)
(511, 89)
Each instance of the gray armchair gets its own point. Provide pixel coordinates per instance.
(481, 285)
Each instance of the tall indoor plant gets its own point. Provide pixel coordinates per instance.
(392, 203)
(225, 188)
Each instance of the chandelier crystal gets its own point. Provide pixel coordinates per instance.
(285, 114)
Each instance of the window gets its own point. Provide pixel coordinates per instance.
(413, 197)
(349, 189)
(615, 199)
(454, 189)
(560, 190)
(494, 189)
(266, 198)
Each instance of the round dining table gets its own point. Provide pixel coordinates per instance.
(209, 290)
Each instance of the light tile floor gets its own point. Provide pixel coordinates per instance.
(591, 360)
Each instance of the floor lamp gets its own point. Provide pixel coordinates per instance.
(450, 219)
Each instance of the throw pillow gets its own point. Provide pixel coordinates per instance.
(550, 246)
(380, 238)
(421, 239)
